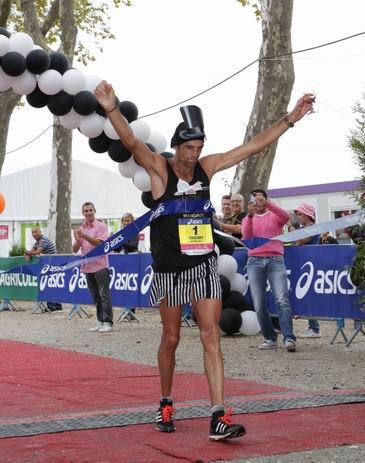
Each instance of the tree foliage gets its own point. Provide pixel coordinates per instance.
(91, 19)
(356, 142)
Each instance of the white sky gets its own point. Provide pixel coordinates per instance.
(168, 50)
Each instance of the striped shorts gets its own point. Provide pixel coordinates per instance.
(201, 281)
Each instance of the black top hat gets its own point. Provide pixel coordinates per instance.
(194, 123)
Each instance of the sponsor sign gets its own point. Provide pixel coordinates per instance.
(17, 286)
(318, 280)
(4, 232)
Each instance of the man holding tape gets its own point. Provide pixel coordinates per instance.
(182, 245)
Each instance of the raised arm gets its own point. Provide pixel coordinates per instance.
(105, 95)
(217, 162)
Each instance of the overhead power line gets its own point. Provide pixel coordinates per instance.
(266, 58)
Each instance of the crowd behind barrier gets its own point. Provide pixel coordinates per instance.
(318, 279)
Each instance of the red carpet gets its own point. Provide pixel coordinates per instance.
(37, 380)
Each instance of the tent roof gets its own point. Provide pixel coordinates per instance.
(27, 192)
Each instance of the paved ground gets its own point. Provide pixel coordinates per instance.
(315, 366)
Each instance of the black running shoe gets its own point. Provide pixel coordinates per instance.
(221, 427)
(164, 422)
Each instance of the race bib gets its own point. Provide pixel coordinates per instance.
(195, 235)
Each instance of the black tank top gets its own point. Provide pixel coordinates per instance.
(165, 245)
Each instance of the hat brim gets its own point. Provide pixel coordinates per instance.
(185, 135)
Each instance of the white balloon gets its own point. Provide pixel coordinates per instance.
(91, 126)
(227, 266)
(92, 82)
(21, 42)
(158, 141)
(4, 45)
(128, 168)
(6, 81)
(73, 81)
(50, 82)
(141, 129)
(110, 130)
(142, 180)
(239, 283)
(25, 83)
(250, 325)
(71, 120)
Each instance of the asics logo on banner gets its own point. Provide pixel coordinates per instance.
(56, 280)
(324, 282)
(123, 281)
(77, 280)
(147, 280)
(157, 212)
(207, 205)
(45, 269)
(106, 247)
(307, 277)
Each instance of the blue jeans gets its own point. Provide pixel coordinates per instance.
(314, 325)
(259, 270)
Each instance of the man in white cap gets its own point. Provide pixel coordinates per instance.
(306, 217)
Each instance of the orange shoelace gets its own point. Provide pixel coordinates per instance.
(226, 418)
(167, 412)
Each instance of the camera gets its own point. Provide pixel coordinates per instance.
(252, 199)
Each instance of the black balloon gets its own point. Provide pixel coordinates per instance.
(235, 300)
(60, 104)
(224, 243)
(129, 110)
(100, 144)
(226, 286)
(147, 199)
(118, 152)
(59, 62)
(38, 61)
(84, 103)
(151, 147)
(3, 31)
(37, 98)
(230, 321)
(167, 154)
(13, 63)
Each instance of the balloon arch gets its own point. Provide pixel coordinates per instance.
(47, 79)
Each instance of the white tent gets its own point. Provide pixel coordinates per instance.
(27, 192)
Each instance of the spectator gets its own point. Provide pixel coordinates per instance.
(266, 219)
(307, 216)
(226, 216)
(43, 245)
(238, 214)
(132, 244)
(92, 233)
(326, 238)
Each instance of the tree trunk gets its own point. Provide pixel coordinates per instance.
(59, 224)
(274, 86)
(59, 218)
(8, 101)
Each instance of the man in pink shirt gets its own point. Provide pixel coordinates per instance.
(265, 219)
(92, 233)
